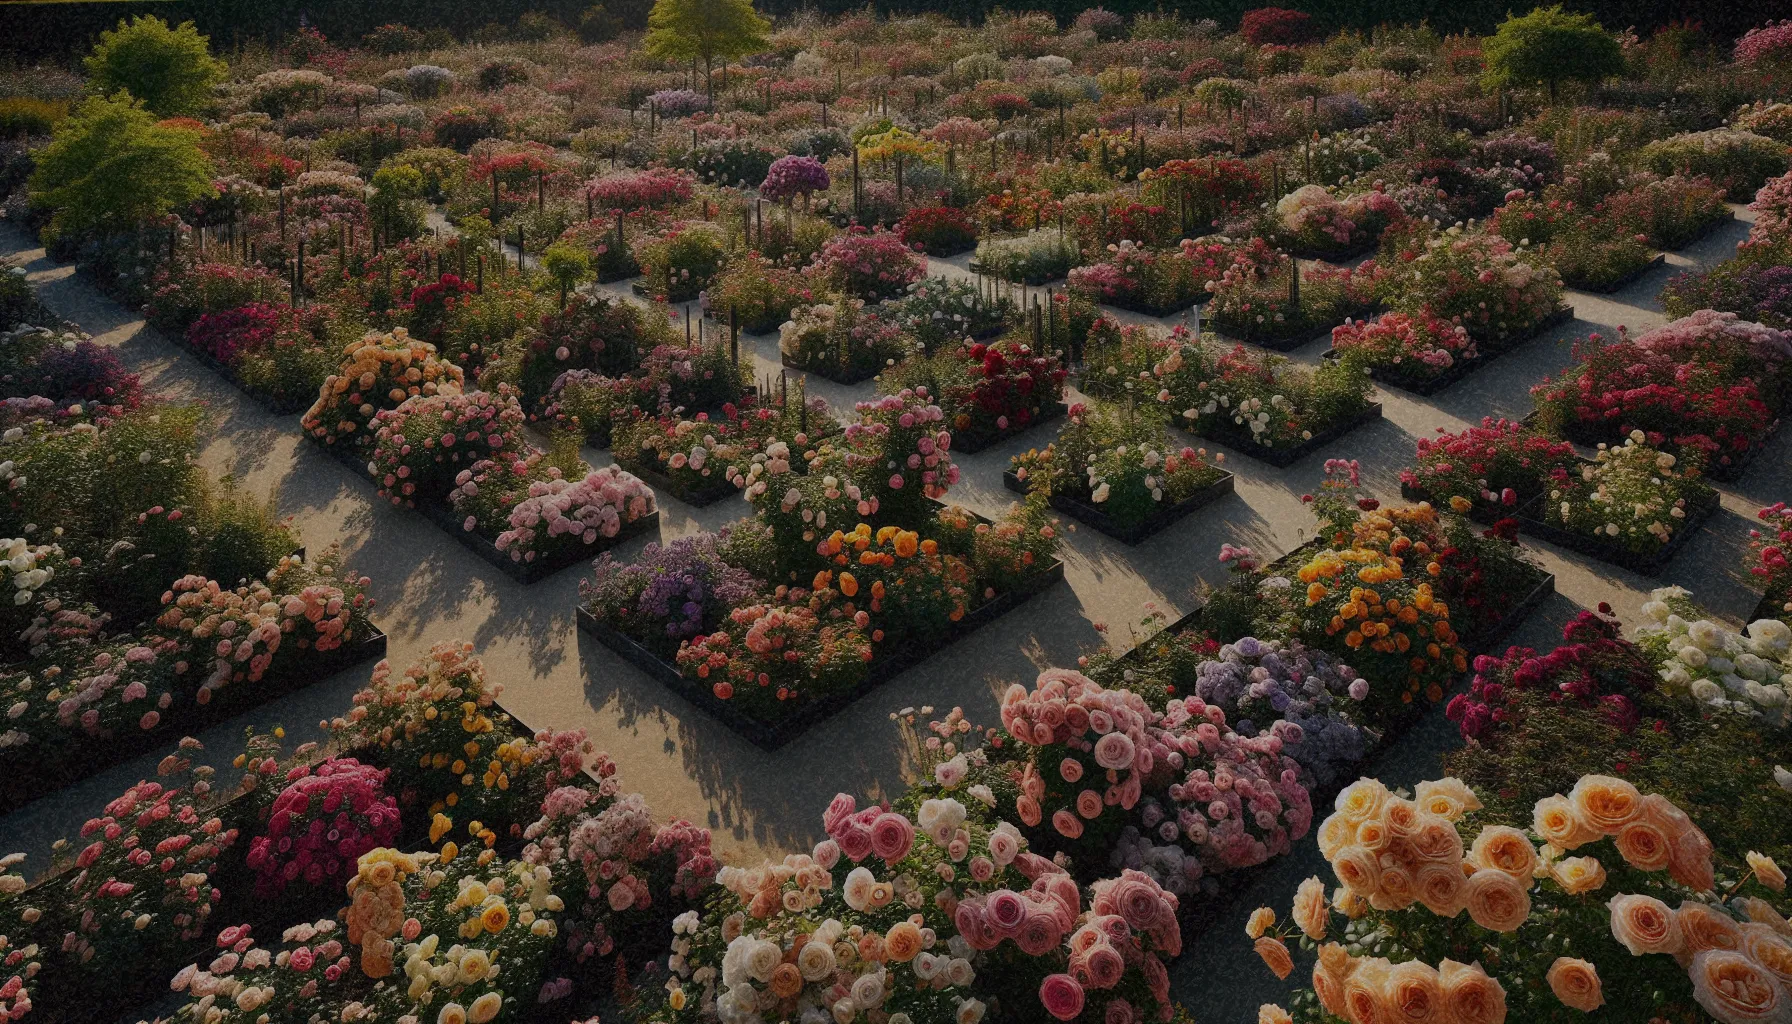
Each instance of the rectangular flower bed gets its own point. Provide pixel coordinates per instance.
(1483, 512)
(843, 379)
(711, 492)
(483, 546)
(267, 400)
(1628, 279)
(1148, 309)
(1240, 440)
(970, 442)
(892, 662)
(1274, 342)
(1587, 437)
(1091, 514)
(1463, 367)
(36, 770)
(1531, 521)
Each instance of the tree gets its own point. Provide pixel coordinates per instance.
(1548, 46)
(171, 70)
(111, 166)
(684, 30)
(568, 265)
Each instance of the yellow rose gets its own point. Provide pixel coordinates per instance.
(1448, 798)
(1497, 901)
(1766, 871)
(1577, 875)
(1576, 983)
(1470, 996)
(1310, 912)
(1605, 803)
(1644, 924)
(1504, 848)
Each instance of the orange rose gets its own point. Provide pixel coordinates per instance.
(1576, 984)
(1497, 901)
(787, 980)
(1412, 992)
(1606, 804)
(903, 942)
(1707, 928)
(1768, 948)
(1555, 819)
(1577, 875)
(1644, 924)
(1504, 848)
(1275, 955)
(1730, 986)
(1644, 846)
(1310, 912)
(1442, 888)
(1470, 996)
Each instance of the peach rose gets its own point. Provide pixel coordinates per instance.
(1397, 891)
(903, 942)
(1270, 1013)
(1275, 954)
(1644, 924)
(1768, 948)
(1436, 841)
(1766, 871)
(1645, 846)
(1448, 798)
(1349, 902)
(1373, 834)
(1442, 888)
(1335, 833)
(1605, 803)
(1362, 800)
(1362, 991)
(1411, 992)
(1691, 862)
(786, 980)
(1504, 848)
(1400, 816)
(1560, 825)
(1708, 928)
(1731, 987)
(1470, 996)
(1261, 920)
(1762, 912)
(1359, 869)
(1310, 912)
(1577, 875)
(1330, 990)
(1576, 983)
(1497, 901)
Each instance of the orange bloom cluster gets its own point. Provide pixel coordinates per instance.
(1378, 609)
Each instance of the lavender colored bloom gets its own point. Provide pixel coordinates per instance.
(793, 176)
(670, 593)
(678, 102)
(1297, 691)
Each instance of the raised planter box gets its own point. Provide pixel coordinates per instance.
(520, 571)
(1282, 458)
(971, 442)
(1481, 512)
(714, 491)
(1462, 368)
(828, 374)
(1091, 514)
(892, 661)
(1157, 311)
(39, 769)
(1626, 281)
(1274, 343)
(1579, 432)
(1531, 522)
(266, 399)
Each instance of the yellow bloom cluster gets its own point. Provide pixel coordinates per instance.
(377, 372)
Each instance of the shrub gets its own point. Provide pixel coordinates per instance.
(171, 71)
(25, 115)
(937, 230)
(1275, 25)
(1738, 162)
(393, 39)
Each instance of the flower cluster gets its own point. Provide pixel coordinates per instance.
(1631, 497)
(320, 824)
(559, 513)
(378, 372)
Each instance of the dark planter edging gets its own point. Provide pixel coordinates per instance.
(1704, 232)
(1282, 458)
(1156, 311)
(522, 572)
(715, 491)
(897, 658)
(1646, 565)
(969, 443)
(1582, 433)
(1480, 511)
(1623, 282)
(31, 772)
(827, 374)
(1274, 343)
(1129, 533)
(1461, 368)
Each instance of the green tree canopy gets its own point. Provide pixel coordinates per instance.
(171, 70)
(111, 166)
(1550, 45)
(705, 29)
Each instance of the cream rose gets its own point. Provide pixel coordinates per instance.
(1731, 987)
(1576, 983)
(1448, 798)
(1310, 912)
(1504, 848)
(1605, 803)
(1497, 901)
(1555, 819)
(1644, 924)
(1470, 996)
(1577, 875)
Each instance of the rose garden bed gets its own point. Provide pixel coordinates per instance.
(1078, 507)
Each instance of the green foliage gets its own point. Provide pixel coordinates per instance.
(25, 115)
(171, 70)
(397, 202)
(111, 166)
(598, 25)
(566, 264)
(681, 30)
(1548, 46)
